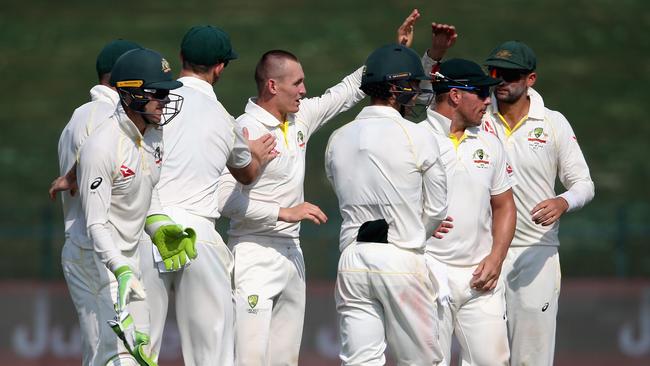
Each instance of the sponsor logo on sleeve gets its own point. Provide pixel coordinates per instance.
(509, 170)
(301, 139)
(126, 171)
(157, 154)
(95, 183)
(487, 126)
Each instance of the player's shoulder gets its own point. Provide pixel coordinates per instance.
(249, 121)
(91, 112)
(556, 118)
(416, 131)
(489, 138)
(104, 138)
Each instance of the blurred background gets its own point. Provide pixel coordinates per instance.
(593, 66)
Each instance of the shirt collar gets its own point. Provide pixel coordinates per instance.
(536, 110)
(199, 85)
(262, 115)
(379, 111)
(442, 124)
(439, 123)
(104, 94)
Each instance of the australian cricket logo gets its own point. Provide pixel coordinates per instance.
(537, 138)
(301, 139)
(503, 54)
(481, 159)
(165, 66)
(252, 302)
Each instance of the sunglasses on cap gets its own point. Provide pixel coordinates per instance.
(159, 94)
(481, 91)
(508, 75)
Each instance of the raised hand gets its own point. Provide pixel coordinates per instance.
(443, 37)
(405, 31)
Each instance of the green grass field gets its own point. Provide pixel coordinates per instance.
(593, 66)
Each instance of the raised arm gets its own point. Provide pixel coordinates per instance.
(406, 31)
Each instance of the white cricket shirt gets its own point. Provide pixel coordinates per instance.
(281, 181)
(118, 169)
(83, 122)
(541, 148)
(382, 166)
(479, 173)
(199, 143)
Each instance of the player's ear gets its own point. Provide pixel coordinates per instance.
(531, 79)
(455, 96)
(272, 86)
(218, 69)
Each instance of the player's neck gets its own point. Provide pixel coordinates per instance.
(205, 77)
(269, 106)
(137, 119)
(514, 112)
(457, 128)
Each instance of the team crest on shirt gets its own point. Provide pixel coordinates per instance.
(301, 139)
(481, 159)
(252, 302)
(537, 138)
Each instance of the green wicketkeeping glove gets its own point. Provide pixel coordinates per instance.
(174, 244)
(133, 340)
(128, 286)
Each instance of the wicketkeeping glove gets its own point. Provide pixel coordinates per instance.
(128, 286)
(174, 244)
(133, 340)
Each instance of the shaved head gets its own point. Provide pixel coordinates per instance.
(272, 65)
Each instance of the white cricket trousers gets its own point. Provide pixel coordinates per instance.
(385, 297)
(269, 300)
(476, 318)
(532, 277)
(202, 295)
(93, 289)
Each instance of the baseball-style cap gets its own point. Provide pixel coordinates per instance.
(207, 45)
(512, 55)
(462, 74)
(111, 52)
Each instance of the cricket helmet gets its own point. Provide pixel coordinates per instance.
(143, 75)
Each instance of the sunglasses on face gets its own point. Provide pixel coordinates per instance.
(481, 91)
(508, 75)
(159, 94)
